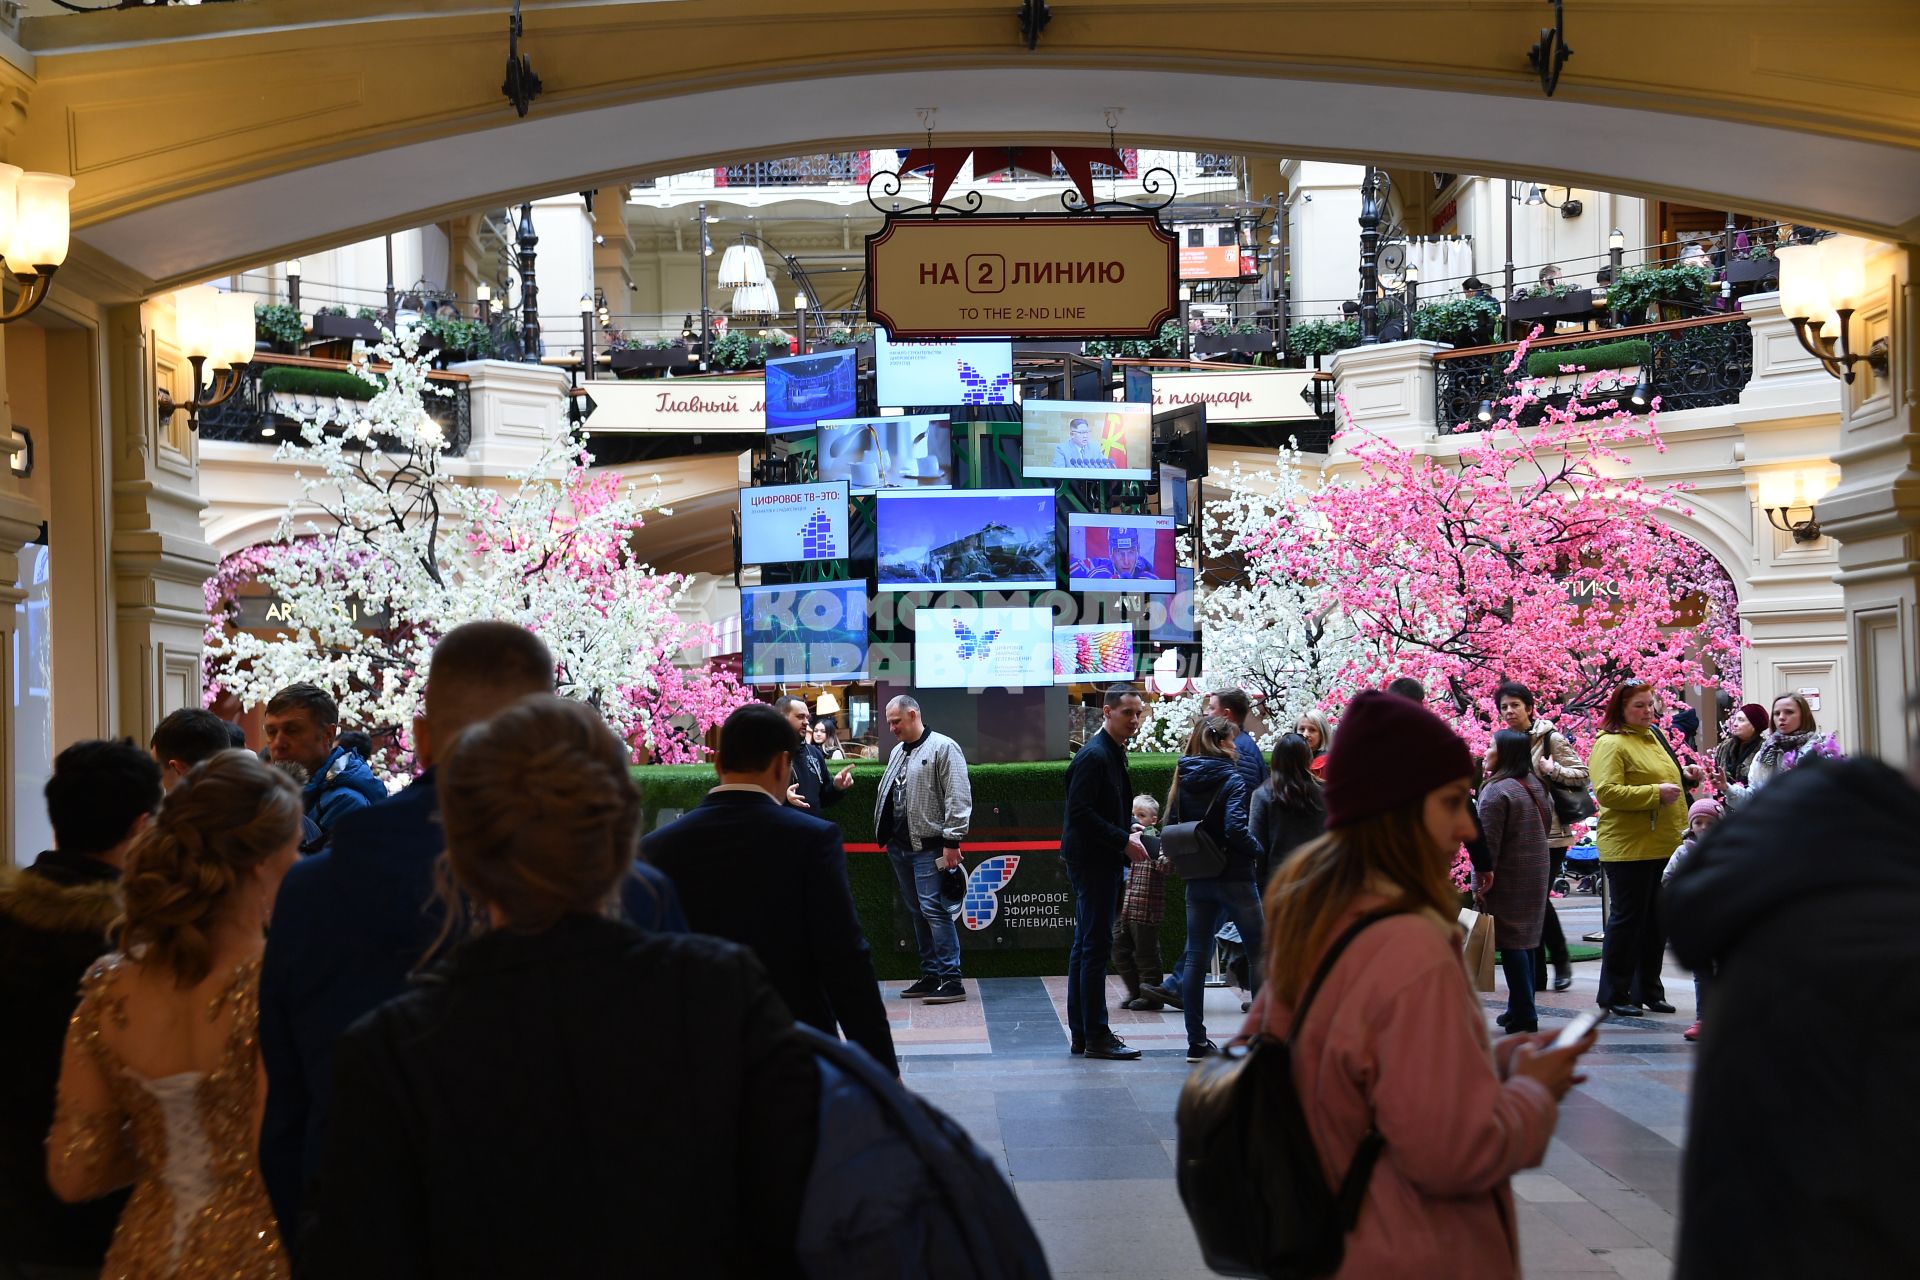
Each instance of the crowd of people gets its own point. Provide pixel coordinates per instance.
(266, 1018)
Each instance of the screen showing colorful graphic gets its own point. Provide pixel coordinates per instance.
(812, 634)
(1172, 616)
(801, 390)
(1093, 653)
(965, 537)
(973, 648)
(1086, 440)
(1120, 553)
(887, 453)
(942, 373)
(780, 524)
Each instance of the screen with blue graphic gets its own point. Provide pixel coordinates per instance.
(801, 390)
(982, 648)
(811, 634)
(790, 523)
(1002, 538)
(938, 374)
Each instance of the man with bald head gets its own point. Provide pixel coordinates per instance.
(351, 924)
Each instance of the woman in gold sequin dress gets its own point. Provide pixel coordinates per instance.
(161, 1085)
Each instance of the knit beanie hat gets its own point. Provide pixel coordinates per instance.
(1756, 716)
(1711, 808)
(1389, 753)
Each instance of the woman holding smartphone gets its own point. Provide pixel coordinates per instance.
(1395, 1023)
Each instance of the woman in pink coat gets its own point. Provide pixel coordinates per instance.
(1396, 1038)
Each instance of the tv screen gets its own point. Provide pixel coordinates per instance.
(942, 373)
(1086, 440)
(1173, 494)
(811, 634)
(1002, 538)
(801, 390)
(887, 453)
(780, 524)
(976, 648)
(1093, 653)
(1172, 616)
(1120, 553)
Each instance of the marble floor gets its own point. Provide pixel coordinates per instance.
(1089, 1145)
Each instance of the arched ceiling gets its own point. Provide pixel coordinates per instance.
(217, 137)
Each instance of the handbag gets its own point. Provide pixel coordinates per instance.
(1480, 949)
(1572, 801)
(1195, 852)
(1248, 1172)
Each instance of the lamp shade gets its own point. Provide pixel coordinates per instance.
(9, 200)
(741, 265)
(39, 234)
(196, 319)
(233, 332)
(1843, 265)
(826, 704)
(755, 299)
(1803, 287)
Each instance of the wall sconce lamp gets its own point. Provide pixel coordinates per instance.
(1823, 282)
(21, 463)
(213, 328)
(1569, 208)
(1805, 529)
(33, 233)
(1642, 393)
(1791, 502)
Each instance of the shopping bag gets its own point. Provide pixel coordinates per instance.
(1480, 948)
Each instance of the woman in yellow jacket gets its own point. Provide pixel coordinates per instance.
(1643, 813)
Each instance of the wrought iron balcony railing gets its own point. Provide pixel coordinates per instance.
(828, 168)
(261, 414)
(1694, 363)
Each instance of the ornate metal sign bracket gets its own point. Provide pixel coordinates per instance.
(1551, 53)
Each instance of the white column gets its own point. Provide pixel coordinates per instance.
(1389, 390)
(563, 268)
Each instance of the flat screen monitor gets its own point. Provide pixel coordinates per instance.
(814, 633)
(942, 373)
(997, 538)
(1086, 440)
(887, 453)
(787, 523)
(1093, 653)
(1120, 553)
(1172, 616)
(983, 648)
(1173, 494)
(801, 390)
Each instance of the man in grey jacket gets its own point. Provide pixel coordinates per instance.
(920, 816)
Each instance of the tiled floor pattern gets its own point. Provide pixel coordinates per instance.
(1089, 1145)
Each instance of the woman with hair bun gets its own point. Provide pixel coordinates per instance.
(161, 1084)
(562, 1094)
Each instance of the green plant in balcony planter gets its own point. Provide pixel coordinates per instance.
(1462, 321)
(1164, 345)
(364, 313)
(1639, 288)
(732, 351)
(459, 336)
(1322, 337)
(278, 323)
(331, 311)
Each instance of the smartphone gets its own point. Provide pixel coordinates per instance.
(1576, 1031)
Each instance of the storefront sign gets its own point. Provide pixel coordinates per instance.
(680, 406)
(1256, 395)
(1017, 896)
(269, 613)
(1024, 277)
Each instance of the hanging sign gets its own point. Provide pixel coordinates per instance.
(680, 405)
(1255, 395)
(995, 275)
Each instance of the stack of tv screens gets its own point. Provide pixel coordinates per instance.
(887, 453)
(983, 648)
(942, 373)
(805, 634)
(1001, 539)
(1120, 553)
(793, 523)
(1086, 440)
(801, 390)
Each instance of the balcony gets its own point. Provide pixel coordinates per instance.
(277, 391)
(829, 168)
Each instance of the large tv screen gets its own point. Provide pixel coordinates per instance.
(1120, 553)
(780, 524)
(887, 453)
(1002, 538)
(942, 373)
(1172, 617)
(982, 648)
(809, 634)
(801, 390)
(1101, 653)
(1086, 440)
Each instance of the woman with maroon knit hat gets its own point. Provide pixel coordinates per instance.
(1746, 732)
(1395, 1041)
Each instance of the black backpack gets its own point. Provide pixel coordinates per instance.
(1248, 1171)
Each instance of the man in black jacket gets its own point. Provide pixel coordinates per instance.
(1097, 840)
(773, 879)
(53, 925)
(813, 788)
(1804, 902)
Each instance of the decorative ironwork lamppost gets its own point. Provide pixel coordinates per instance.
(1372, 204)
(526, 241)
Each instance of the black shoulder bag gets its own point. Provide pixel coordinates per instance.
(1195, 852)
(1248, 1171)
(1572, 801)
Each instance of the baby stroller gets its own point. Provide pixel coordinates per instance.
(1581, 871)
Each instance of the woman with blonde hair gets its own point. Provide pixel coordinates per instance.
(161, 1085)
(1392, 1062)
(558, 1067)
(1314, 726)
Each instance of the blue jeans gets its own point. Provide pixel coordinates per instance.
(1208, 902)
(918, 876)
(1096, 885)
(1518, 966)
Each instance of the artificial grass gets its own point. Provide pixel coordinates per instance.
(1546, 362)
(297, 380)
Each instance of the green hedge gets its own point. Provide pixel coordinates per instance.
(316, 382)
(1546, 363)
(1009, 801)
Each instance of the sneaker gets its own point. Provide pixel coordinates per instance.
(1165, 995)
(1196, 1052)
(948, 992)
(1145, 1004)
(921, 989)
(1114, 1050)
(1692, 1032)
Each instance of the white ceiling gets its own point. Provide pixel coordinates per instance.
(1710, 162)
